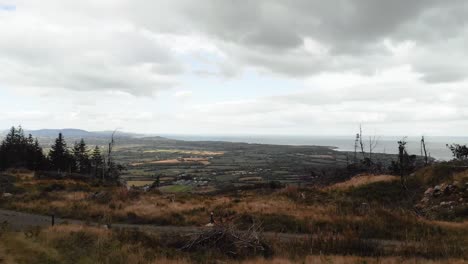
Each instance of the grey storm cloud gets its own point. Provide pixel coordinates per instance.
(272, 34)
(109, 45)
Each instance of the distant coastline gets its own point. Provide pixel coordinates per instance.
(387, 144)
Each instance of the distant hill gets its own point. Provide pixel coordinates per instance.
(47, 136)
(70, 132)
(78, 133)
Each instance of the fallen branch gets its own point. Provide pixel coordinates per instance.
(229, 240)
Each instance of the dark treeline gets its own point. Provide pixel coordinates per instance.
(20, 151)
(17, 151)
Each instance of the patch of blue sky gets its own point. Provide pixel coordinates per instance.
(7, 7)
(9, 100)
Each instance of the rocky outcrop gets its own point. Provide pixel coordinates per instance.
(444, 199)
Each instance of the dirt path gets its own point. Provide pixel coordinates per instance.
(19, 221)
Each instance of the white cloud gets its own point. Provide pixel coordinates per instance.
(379, 62)
(183, 94)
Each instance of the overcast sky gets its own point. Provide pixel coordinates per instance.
(307, 67)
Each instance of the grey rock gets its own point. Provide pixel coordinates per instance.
(429, 191)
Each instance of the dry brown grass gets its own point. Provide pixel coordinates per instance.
(311, 211)
(169, 261)
(362, 180)
(4, 257)
(274, 204)
(461, 177)
(195, 209)
(153, 207)
(77, 244)
(146, 206)
(354, 259)
(63, 230)
(58, 241)
(33, 182)
(446, 224)
(74, 196)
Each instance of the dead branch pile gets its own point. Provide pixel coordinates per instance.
(229, 240)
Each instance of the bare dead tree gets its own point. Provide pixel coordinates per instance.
(111, 146)
(356, 142)
(403, 160)
(108, 163)
(111, 165)
(423, 150)
(361, 143)
(104, 167)
(373, 142)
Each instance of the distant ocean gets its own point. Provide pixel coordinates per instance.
(436, 146)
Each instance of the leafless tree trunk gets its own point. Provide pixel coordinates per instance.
(423, 149)
(373, 142)
(107, 161)
(110, 161)
(403, 160)
(356, 142)
(111, 145)
(104, 167)
(361, 143)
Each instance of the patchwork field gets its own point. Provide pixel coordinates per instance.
(224, 164)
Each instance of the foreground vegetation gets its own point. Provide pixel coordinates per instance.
(235, 203)
(368, 218)
(81, 244)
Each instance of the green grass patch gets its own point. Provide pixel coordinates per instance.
(176, 188)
